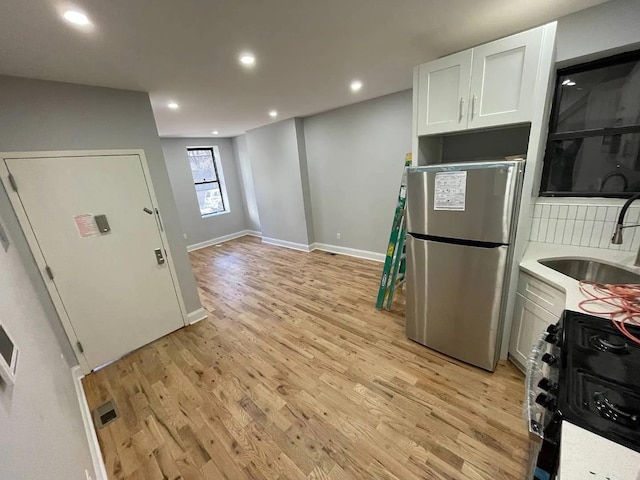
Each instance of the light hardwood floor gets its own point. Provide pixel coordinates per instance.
(296, 375)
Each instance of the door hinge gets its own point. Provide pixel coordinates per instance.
(80, 347)
(13, 183)
(49, 272)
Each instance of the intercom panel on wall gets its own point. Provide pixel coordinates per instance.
(8, 357)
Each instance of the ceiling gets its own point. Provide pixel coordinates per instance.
(307, 51)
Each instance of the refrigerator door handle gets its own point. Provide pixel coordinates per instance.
(457, 241)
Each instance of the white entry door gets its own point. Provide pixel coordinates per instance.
(113, 284)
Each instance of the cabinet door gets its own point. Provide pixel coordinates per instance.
(529, 321)
(504, 79)
(443, 92)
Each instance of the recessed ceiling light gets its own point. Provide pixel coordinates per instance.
(273, 113)
(215, 132)
(248, 59)
(75, 17)
(172, 105)
(356, 85)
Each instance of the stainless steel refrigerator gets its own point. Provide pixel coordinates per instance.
(460, 228)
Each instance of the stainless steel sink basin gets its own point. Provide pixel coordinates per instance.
(591, 270)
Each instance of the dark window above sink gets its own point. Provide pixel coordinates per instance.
(593, 147)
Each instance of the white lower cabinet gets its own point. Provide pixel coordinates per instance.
(529, 318)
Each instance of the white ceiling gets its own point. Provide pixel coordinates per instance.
(307, 51)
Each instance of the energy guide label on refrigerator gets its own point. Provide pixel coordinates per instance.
(450, 191)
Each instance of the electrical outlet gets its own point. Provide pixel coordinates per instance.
(338, 235)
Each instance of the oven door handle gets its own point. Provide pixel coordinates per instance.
(534, 364)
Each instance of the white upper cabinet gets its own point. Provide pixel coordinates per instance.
(442, 94)
(486, 86)
(503, 80)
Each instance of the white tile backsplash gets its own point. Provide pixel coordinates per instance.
(578, 224)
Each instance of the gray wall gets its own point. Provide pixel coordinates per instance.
(275, 167)
(42, 430)
(355, 157)
(197, 228)
(241, 152)
(354, 154)
(304, 178)
(42, 115)
(611, 26)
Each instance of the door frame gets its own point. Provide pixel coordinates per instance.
(38, 256)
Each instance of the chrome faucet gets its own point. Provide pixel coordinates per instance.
(616, 239)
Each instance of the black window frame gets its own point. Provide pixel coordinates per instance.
(216, 181)
(596, 132)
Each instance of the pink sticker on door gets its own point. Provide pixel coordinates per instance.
(86, 225)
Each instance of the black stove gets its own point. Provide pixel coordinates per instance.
(599, 377)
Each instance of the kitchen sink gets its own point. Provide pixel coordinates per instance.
(591, 270)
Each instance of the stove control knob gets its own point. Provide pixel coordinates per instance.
(549, 359)
(553, 329)
(548, 386)
(551, 338)
(547, 401)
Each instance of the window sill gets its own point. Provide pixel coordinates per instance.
(209, 215)
(600, 201)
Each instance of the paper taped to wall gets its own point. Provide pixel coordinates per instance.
(86, 225)
(450, 191)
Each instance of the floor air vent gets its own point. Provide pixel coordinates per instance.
(105, 414)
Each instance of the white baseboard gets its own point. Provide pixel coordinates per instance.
(224, 238)
(283, 243)
(200, 314)
(352, 252)
(196, 316)
(99, 469)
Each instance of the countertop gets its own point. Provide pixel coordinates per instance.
(538, 251)
(583, 454)
(587, 456)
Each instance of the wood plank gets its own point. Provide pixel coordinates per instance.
(295, 375)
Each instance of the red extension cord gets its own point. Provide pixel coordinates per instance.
(625, 300)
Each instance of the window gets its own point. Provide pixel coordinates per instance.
(593, 148)
(209, 184)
